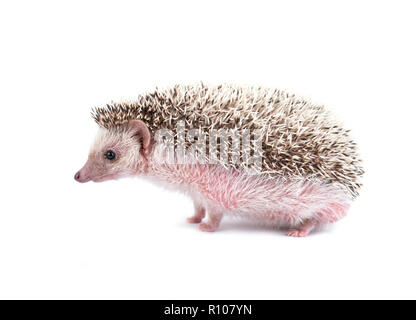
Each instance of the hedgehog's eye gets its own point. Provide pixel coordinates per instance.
(110, 155)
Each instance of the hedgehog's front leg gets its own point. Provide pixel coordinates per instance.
(214, 219)
(199, 213)
(303, 230)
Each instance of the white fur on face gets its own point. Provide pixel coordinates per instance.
(128, 159)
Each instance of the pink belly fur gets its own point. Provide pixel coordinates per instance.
(274, 201)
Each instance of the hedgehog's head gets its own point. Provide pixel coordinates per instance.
(117, 152)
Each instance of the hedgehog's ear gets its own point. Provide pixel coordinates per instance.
(140, 131)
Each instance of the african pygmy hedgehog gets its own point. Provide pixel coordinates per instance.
(258, 153)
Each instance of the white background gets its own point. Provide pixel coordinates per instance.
(128, 238)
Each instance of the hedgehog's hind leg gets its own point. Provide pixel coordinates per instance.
(199, 213)
(303, 230)
(214, 219)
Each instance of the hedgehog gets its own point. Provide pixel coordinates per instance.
(252, 152)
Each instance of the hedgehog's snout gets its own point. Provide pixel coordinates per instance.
(81, 177)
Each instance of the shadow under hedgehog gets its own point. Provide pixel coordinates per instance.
(258, 153)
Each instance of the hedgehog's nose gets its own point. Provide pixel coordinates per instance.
(82, 175)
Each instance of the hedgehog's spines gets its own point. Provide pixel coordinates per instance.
(300, 139)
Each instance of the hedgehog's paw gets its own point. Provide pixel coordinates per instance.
(207, 227)
(194, 219)
(296, 233)
(198, 215)
(213, 222)
(302, 231)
